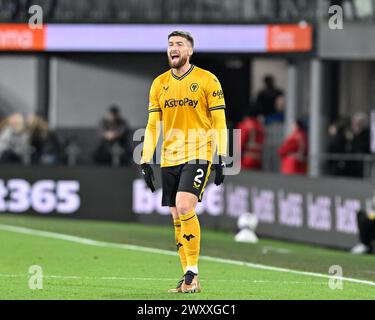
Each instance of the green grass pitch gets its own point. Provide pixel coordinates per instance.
(74, 270)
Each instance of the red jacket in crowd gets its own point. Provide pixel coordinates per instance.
(252, 139)
(293, 153)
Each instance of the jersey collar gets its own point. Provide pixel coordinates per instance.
(184, 75)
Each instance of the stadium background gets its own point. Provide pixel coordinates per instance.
(93, 54)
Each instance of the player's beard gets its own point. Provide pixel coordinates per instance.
(178, 64)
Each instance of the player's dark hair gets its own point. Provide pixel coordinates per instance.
(183, 34)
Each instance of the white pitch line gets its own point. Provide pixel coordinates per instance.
(80, 240)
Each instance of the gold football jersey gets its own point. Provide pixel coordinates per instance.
(185, 104)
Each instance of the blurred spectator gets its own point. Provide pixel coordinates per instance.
(338, 143)
(114, 132)
(252, 140)
(361, 133)
(366, 228)
(266, 99)
(44, 143)
(293, 152)
(278, 115)
(13, 139)
(360, 144)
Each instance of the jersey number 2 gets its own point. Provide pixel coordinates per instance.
(199, 176)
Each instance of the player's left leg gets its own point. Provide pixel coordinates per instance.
(191, 234)
(192, 182)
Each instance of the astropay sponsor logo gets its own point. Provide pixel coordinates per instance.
(171, 103)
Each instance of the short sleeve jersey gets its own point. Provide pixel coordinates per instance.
(185, 104)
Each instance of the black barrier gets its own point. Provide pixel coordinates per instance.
(320, 211)
(101, 193)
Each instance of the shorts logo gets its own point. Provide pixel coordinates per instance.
(194, 87)
(178, 245)
(188, 237)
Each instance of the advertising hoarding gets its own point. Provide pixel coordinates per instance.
(318, 211)
(152, 38)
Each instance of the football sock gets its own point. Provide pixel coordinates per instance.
(191, 238)
(179, 245)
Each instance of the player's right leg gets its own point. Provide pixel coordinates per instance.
(170, 179)
(179, 246)
(178, 238)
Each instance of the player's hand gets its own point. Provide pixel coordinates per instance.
(148, 175)
(219, 167)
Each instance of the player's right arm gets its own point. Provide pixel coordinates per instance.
(151, 136)
(153, 127)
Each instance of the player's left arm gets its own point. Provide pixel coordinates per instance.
(216, 105)
(220, 129)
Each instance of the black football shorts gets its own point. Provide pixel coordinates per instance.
(188, 177)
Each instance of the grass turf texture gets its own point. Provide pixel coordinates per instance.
(79, 271)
